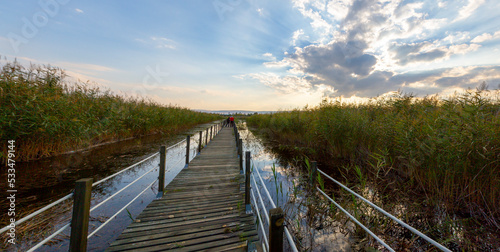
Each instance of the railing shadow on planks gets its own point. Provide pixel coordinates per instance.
(81, 195)
(275, 219)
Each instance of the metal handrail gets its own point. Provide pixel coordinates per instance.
(260, 220)
(173, 146)
(388, 214)
(45, 208)
(356, 221)
(95, 207)
(260, 199)
(121, 210)
(130, 202)
(41, 210)
(288, 235)
(126, 169)
(121, 190)
(265, 189)
(49, 238)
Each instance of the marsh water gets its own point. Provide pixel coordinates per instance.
(315, 225)
(52, 178)
(44, 181)
(286, 184)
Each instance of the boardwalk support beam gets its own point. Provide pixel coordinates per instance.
(81, 212)
(276, 228)
(161, 176)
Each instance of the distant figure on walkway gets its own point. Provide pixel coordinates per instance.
(232, 121)
(227, 122)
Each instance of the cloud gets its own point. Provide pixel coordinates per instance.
(85, 72)
(457, 37)
(485, 37)
(284, 84)
(163, 42)
(86, 67)
(338, 9)
(426, 51)
(158, 42)
(369, 47)
(467, 10)
(269, 56)
(292, 84)
(79, 10)
(260, 11)
(297, 36)
(318, 21)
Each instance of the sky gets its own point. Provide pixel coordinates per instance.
(258, 54)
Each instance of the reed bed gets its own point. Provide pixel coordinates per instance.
(446, 150)
(47, 115)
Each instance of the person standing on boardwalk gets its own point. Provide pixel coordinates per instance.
(232, 121)
(228, 122)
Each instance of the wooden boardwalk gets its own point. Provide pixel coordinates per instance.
(201, 209)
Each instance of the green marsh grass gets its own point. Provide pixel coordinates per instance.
(47, 115)
(445, 149)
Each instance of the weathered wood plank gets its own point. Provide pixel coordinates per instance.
(235, 220)
(201, 209)
(183, 235)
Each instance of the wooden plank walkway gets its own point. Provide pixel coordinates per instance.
(201, 209)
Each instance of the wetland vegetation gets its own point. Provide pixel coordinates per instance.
(434, 162)
(47, 115)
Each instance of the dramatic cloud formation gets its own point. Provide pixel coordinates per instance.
(261, 54)
(368, 47)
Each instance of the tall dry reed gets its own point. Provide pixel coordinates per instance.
(47, 115)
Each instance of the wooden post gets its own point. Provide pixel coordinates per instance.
(314, 174)
(211, 136)
(240, 151)
(81, 212)
(206, 138)
(235, 133)
(161, 176)
(247, 178)
(187, 149)
(276, 228)
(199, 142)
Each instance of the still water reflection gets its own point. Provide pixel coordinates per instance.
(286, 184)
